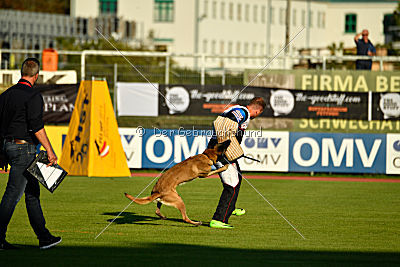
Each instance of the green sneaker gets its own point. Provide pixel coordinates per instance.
(239, 212)
(218, 224)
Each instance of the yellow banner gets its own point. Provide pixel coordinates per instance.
(56, 135)
(93, 145)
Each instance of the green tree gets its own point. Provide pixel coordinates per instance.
(46, 6)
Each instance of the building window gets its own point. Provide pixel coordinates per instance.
(108, 7)
(163, 10)
(231, 11)
(246, 51)
(204, 46)
(255, 13)
(272, 15)
(221, 47)
(230, 50)
(247, 13)
(303, 18)
(254, 52)
(350, 23)
(214, 10)
(294, 17)
(262, 53)
(238, 51)
(205, 8)
(213, 44)
(239, 12)
(263, 14)
(213, 47)
(323, 20)
(281, 16)
(222, 10)
(310, 19)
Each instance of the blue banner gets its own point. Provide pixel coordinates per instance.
(340, 153)
(161, 146)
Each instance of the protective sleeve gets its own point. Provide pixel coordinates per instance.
(34, 110)
(226, 129)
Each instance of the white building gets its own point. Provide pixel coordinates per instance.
(242, 27)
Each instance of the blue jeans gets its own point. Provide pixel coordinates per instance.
(20, 156)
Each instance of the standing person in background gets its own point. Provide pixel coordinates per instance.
(21, 129)
(364, 48)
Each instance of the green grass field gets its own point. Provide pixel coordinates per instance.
(345, 223)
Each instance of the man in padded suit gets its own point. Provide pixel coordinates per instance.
(231, 125)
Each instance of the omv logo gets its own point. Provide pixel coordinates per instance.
(262, 142)
(249, 142)
(396, 145)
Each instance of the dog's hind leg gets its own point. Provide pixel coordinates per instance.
(158, 212)
(175, 200)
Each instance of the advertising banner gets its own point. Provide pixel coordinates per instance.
(161, 148)
(207, 100)
(270, 148)
(137, 99)
(310, 104)
(59, 100)
(386, 106)
(277, 151)
(326, 80)
(57, 135)
(337, 153)
(9, 77)
(340, 125)
(393, 154)
(131, 139)
(212, 100)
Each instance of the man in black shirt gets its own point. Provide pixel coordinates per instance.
(364, 48)
(21, 129)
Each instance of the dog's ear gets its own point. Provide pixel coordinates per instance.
(221, 148)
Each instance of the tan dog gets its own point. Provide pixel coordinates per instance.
(164, 191)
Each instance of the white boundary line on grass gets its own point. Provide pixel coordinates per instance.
(132, 200)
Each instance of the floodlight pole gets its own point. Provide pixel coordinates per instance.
(287, 36)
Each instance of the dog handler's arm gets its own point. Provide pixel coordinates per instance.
(44, 140)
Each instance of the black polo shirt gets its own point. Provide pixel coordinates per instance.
(21, 112)
(363, 47)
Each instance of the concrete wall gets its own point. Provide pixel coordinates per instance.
(85, 8)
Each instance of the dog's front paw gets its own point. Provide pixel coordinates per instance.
(197, 223)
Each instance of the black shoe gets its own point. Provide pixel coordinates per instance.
(4, 245)
(50, 242)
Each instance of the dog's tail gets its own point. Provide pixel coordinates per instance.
(144, 200)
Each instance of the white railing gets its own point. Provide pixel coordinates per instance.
(202, 57)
